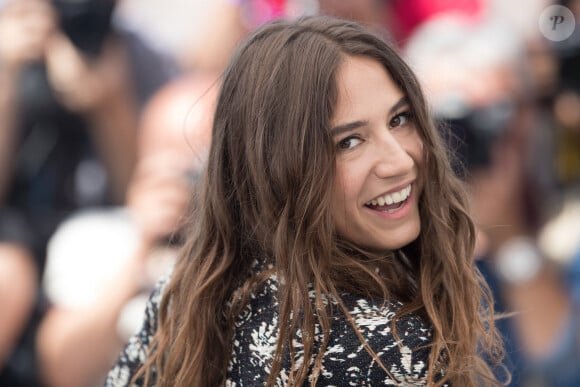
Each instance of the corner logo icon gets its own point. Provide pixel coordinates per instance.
(557, 23)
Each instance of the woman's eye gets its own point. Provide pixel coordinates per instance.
(400, 119)
(348, 143)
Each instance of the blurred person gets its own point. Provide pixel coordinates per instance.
(479, 86)
(97, 295)
(18, 268)
(330, 242)
(559, 237)
(174, 145)
(72, 86)
(567, 104)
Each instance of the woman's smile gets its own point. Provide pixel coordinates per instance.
(395, 204)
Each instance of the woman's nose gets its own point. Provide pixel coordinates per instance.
(391, 157)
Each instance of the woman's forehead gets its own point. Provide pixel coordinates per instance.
(362, 79)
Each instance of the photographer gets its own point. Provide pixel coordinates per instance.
(72, 88)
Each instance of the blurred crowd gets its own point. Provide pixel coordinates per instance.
(105, 121)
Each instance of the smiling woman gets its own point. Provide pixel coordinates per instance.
(331, 243)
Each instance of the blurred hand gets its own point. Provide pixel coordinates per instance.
(83, 84)
(25, 28)
(159, 195)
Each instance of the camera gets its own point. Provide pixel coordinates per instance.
(87, 23)
(472, 132)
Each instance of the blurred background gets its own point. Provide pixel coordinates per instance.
(105, 115)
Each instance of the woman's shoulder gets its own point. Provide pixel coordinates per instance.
(135, 353)
(403, 352)
(372, 316)
(375, 316)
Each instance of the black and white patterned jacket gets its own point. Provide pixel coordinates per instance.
(346, 362)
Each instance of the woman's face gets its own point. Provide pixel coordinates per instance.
(379, 153)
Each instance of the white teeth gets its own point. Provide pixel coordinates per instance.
(395, 197)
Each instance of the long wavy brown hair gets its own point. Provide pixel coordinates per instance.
(266, 195)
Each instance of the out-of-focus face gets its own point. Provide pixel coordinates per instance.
(174, 139)
(379, 153)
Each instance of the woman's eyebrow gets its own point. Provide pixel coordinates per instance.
(399, 104)
(339, 129)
